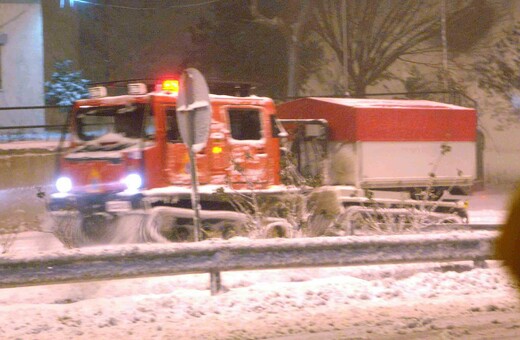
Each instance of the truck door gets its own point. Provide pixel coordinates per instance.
(177, 158)
(249, 168)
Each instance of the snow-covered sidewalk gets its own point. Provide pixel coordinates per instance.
(357, 302)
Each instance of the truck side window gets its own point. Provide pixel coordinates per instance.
(245, 124)
(150, 127)
(172, 130)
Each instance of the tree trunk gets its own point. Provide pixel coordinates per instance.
(292, 59)
(292, 32)
(360, 89)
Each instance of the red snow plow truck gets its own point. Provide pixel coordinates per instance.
(312, 166)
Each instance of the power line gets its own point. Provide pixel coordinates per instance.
(203, 3)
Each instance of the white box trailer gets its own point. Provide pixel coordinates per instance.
(386, 144)
(401, 164)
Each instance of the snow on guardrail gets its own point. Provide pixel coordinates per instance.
(215, 256)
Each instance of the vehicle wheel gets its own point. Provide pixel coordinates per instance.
(181, 234)
(75, 230)
(276, 230)
(365, 222)
(97, 229)
(319, 225)
(228, 232)
(64, 226)
(177, 230)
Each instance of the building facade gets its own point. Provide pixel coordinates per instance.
(21, 61)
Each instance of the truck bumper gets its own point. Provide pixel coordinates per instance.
(88, 204)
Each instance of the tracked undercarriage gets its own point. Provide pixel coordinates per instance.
(333, 211)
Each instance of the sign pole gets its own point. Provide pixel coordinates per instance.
(193, 119)
(195, 201)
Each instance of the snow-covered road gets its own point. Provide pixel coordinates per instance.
(440, 301)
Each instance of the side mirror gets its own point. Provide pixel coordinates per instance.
(277, 128)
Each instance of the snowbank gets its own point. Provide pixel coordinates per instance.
(358, 302)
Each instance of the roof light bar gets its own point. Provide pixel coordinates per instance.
(137, 88)
(170, 85)
(97, 92)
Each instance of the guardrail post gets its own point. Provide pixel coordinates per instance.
(480, 263)
(215, 282)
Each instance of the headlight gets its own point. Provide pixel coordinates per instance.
(64, 185)
(133, 182)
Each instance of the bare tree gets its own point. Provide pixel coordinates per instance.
(379, 32)
(290, 23)
(498, 74)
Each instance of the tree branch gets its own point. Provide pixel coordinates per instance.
(258, 17)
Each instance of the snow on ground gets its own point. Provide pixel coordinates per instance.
(489, 206)
(440, 301)
(357, 302)
(30, 145)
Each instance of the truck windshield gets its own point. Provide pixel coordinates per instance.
(128, 121)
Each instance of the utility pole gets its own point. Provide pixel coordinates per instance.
(444, 46)
(345, 44)
(106, 33)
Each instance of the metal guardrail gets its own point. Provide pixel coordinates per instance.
(54, 115)
(215, 256)
(7, 108)
(21, 127)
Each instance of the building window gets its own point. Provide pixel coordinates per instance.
(3, 40)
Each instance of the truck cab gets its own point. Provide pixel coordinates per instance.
(123, 147)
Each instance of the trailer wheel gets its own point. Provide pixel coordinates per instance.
(364, 222)
(357, 219)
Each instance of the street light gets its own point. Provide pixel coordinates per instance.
(62, 3)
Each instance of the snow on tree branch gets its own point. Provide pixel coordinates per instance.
(66, 85)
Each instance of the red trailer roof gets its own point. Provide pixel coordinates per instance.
(352, 119)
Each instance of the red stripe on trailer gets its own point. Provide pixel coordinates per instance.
(353, 119)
